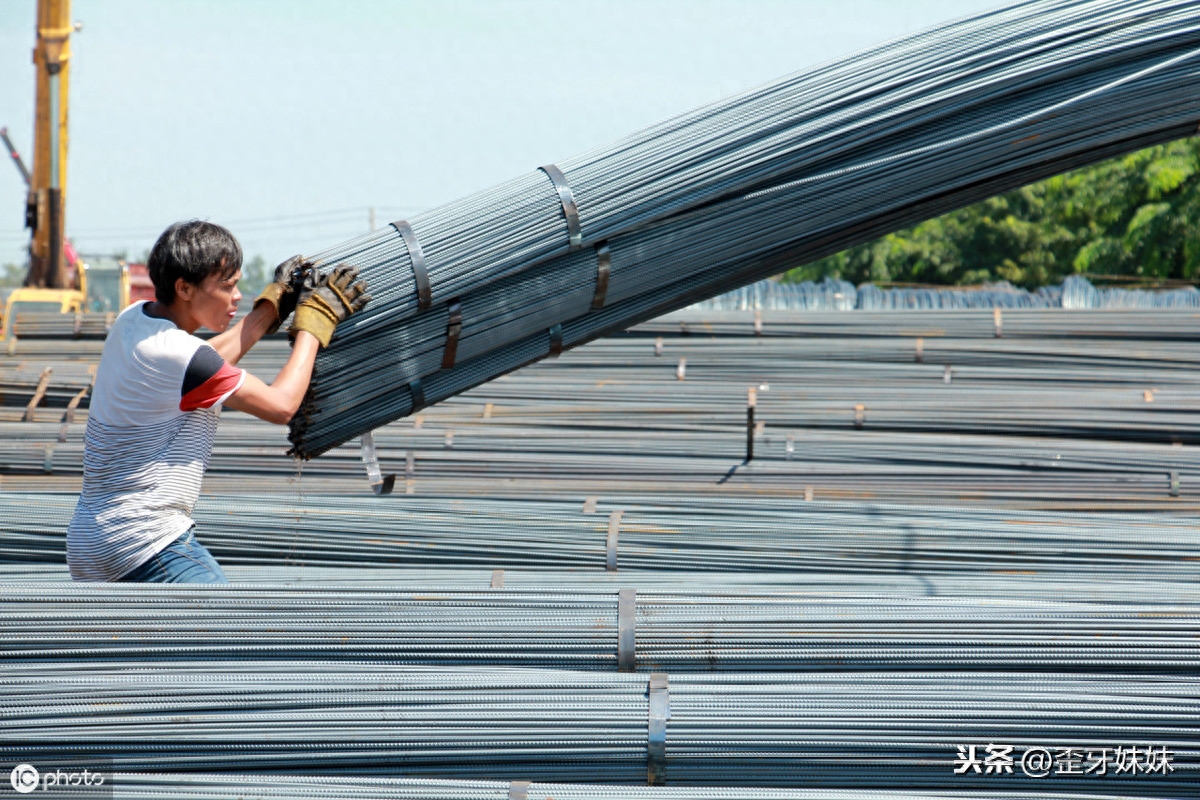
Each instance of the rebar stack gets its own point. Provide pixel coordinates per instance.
(819, 730)
(708, 201)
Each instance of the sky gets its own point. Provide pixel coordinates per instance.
(288, 121)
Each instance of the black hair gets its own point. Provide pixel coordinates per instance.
(192, 250)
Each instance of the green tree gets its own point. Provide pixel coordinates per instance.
(1131, 216)
(255, 277)
(13, 275)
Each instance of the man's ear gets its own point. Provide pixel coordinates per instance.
(183, 289)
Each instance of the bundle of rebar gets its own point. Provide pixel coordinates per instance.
(626, 630)
(814, 729)
(742, 188)
(249, 786)
(652, 533)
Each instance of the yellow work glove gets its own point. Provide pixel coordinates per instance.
(335, 297)
(284, 292)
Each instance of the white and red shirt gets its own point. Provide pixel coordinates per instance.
(150, 431)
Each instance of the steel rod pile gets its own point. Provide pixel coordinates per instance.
(810, 730)
(1074, 588)
(246, 786)
(627, 630)
(1075, 410)
(708, 201)
(719, 534)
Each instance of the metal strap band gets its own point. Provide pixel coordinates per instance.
(589, 505)
(570, 211)
(603, 268)
(556, 342)
(416, 257)
(48, 460)
(656, 740)
(518, 790)
(78, 323)
(610, 546)
(418, 395)
(453, 329)
(497, 579)
(626, 629)
(380, 484)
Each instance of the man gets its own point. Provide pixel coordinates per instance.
(158, 394)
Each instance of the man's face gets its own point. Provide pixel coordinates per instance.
(216, 301)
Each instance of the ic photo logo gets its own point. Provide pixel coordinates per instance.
(24, 778)
(66, 781)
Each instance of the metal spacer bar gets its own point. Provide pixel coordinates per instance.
(626, 630)
(38, 393)
(497, 579)
(418, 395)
(603, 268)
(556, 341)
(570, 210)
(518, 790)
(416, 257)
(453, 329)
(656, 740)
(380, 484)
(610, 545)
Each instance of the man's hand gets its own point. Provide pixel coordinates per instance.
(335, 297)
(284, 292)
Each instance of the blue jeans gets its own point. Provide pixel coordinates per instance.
(182, 561)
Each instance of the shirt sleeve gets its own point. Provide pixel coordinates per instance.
(209, 380)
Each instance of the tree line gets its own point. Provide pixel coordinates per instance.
(1134, 218)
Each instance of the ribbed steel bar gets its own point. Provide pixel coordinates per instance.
(867, 730)
(669, 631)
(863, 145)
(692, 534)
(1069, 409)
(249, 786)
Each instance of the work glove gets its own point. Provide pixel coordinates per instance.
(284, 292)
(334, 298)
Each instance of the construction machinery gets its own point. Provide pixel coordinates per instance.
(57, 277)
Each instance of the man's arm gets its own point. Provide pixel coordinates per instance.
(271, 307)
(278, 401)
(338, 295)
(237, 341)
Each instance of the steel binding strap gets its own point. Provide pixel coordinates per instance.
(518, 790)
(626, 630)
(656, 739)
(556, 341)
(418, 395)
(416, 257)
(603, 268)
(380, 484)
(570, 210)
(610, 544)
(453, 330)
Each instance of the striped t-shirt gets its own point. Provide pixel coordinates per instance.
(150, 430)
